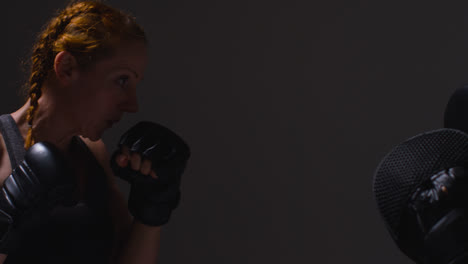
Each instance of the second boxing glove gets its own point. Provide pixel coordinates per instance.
(32, 189)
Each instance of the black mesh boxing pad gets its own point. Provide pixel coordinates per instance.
(456, 111)
(403, 171)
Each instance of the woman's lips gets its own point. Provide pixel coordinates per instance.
(110, 123)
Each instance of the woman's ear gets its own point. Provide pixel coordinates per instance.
(65, 68)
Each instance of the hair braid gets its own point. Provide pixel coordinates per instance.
(42, 61)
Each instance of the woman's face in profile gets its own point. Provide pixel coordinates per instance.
(108, 90)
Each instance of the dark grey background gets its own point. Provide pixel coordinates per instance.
(288, 107)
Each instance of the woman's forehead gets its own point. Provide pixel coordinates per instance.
(130, 57)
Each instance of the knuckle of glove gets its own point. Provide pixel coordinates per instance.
(47, 162)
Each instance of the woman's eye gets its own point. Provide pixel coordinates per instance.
(122, 80)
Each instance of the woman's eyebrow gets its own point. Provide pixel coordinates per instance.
(126, 68)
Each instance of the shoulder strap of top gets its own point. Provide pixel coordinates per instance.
(13, 139)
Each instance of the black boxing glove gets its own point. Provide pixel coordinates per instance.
(439, 211)
(151, 201)
(27, 195)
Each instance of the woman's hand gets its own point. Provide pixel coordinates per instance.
(152, 159)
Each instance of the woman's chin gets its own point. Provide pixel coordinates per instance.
(93, 136)
(95, 133)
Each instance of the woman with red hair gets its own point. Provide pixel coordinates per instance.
(85, 67)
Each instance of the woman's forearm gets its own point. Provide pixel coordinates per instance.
(142, 244)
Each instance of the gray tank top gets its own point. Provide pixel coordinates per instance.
(79, 232)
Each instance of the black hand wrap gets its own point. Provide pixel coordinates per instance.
(439, 209)
(34, 187)
(151, 201)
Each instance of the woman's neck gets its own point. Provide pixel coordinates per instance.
(50, 123)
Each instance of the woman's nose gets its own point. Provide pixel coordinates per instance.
(131, 103)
